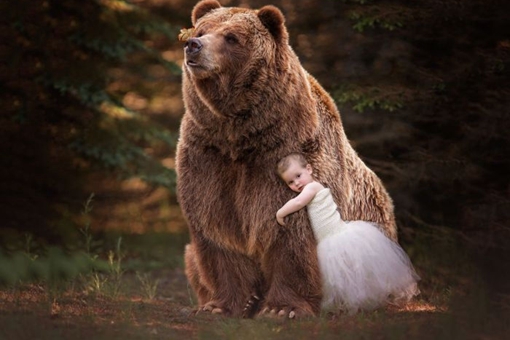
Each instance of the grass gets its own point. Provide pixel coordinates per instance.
(134, 287)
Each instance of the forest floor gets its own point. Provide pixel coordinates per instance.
(150, 299)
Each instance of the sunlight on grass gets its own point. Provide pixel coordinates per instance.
(419, 306)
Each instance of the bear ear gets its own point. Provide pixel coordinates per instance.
(272, 18)
(202, 8)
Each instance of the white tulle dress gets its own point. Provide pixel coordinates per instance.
(361, 268)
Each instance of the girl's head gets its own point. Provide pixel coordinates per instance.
(295, 171)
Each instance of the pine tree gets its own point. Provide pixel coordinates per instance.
(61, 118)
(431, 104)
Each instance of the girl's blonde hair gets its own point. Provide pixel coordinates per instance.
(284, 163)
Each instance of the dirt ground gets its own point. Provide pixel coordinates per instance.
(30, 312)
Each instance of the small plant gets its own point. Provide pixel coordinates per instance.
(115, 269)
(87, 208)
(106, 277)
(96, 282)
(149, 285)
(29, 239)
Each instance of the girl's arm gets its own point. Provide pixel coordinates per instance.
(298, 202)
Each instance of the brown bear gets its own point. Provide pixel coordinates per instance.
(249, 102)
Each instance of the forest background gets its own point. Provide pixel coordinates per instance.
(91, 98)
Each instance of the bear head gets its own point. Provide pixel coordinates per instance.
(240, 67)
(231, 39)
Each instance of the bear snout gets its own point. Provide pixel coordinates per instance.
(193, 46)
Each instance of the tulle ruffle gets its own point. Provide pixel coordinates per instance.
(362, 269)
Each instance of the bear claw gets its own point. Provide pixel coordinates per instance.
(251, 306)
(212, 308)
(217, 311)
(283, 312)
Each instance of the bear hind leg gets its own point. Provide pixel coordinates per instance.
(223, 280)
(295, 286)
(192, 272)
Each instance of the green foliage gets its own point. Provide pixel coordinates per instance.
(64, 117)
(367, 15)
(429, 105)
(93, 265)
(112, 147)
(53, 267)
(375, 17)
(99, 272)
(371, 98)
(114, 141)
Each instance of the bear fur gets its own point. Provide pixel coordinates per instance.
(248, 103)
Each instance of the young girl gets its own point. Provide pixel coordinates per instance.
(361, 268)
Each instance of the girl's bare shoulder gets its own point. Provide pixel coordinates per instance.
(316, 186)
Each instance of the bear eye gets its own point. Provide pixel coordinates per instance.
(199, 34)
(231, 39)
